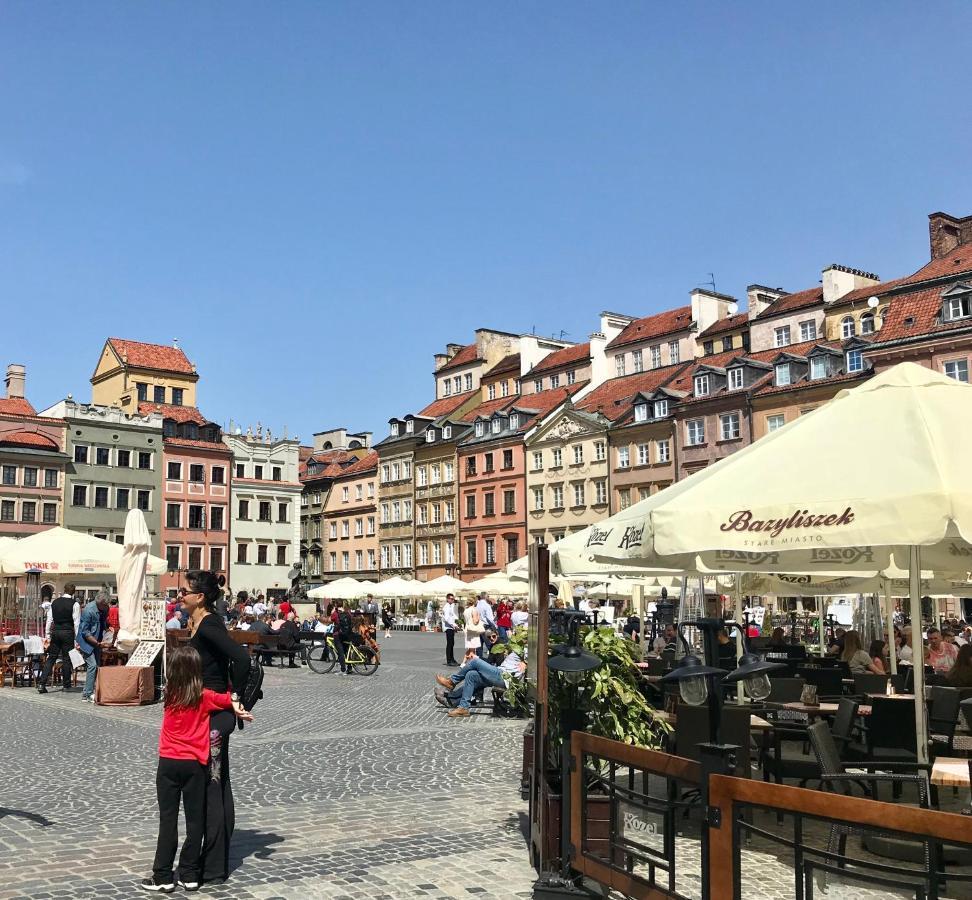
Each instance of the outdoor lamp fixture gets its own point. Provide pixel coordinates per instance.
(573, 663)
(693, 677)
(753, 672)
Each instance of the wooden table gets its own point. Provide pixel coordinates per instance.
(756, 723)
(893, 696)
(7, 654)
(821, 709)
(950, 771)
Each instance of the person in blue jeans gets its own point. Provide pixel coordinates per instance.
(89, 642)
(474, 676)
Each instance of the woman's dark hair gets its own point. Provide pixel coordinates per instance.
(209, 584)
(183, 685)
(877, 649)
(964, 658)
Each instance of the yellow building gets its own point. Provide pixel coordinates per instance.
(131, 372)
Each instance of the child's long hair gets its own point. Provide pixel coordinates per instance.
(184, 687)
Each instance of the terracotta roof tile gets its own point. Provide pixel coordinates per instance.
(367, 463)
(152, 356)
(769, 388)
(466, 355)
(913, 315)
(615, 397)
(791, 302)
(537, 405)
(202, 445)
(487, 408)
(559, 358)
(16, 406)
(958, 262)
(444, 406)
(29, 439)
(727, 324)
(176, 413)
(654, 326)
(505, 366)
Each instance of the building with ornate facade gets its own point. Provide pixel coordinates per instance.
(115, 465)
(265, 521)
(32, 462)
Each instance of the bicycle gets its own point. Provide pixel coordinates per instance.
(322, 658)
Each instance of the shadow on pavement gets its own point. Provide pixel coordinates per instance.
(247, 842)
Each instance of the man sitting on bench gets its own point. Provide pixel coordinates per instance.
(474, 676)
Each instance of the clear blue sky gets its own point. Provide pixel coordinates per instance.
(316, 197)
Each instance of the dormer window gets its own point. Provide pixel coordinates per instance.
(497, 424)
(661, 409)
(957, 308)
(409, 427)
(447, 431)
(480, 429)
(641, 412)
(701, 385)
(735, 378)
(430, 436)
(394, 429)
(818, 367)
(867, 323)
(783, 374)
(855, 361)
(515, 421)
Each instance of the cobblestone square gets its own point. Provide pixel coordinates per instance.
(345, 787)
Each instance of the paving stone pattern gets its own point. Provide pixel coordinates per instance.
(346, 787)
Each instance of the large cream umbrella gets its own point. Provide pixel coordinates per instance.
(444, 584)
(131, 579)
(500, 584)
(395, 587)
(341, 589)
(60, 551)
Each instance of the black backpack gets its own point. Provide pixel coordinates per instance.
(253, 689)
(344, 625)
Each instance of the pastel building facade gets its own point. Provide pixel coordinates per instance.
(351, 521)
(132, 372)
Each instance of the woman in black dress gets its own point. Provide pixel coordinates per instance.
(225, 666)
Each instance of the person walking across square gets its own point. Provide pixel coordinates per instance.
(450, 617)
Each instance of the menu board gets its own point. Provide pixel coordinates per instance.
(151, 625)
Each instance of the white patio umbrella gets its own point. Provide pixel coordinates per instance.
(131, 579)
(444, 584)
(500, 584)
(60, 551)
(395, 587)
(341, 589)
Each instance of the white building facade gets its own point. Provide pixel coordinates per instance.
(265, 535)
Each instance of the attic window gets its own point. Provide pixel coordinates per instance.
(957, 308)
(818, 367)
(447, 431)
(514, 421)
(701, 385)
(909, 321)
(855, 361)
(394, 429)
(480, 428)
(735, 378)
(497, 425)
(430, 436)
(641, 412)
(409, 426)
(783, 375)
(661, 409)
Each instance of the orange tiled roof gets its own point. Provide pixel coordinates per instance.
(917, 314)
(487, 408)
(29, 439)
(955, 263)
(726, 324)
(367, 463)
(792, 302)
(177, 413)
(544, 402)
(202, 445)
(152, 356)
(506, 365)
(654, 326)
(560, 358)
(444, 406)
(615, 397)
(16, 406)
(462, 358)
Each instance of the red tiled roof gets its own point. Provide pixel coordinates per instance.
(958, 262)
(202, 445)
(615, 397)
(769, 388)
(444, 406)
(923, 308)
(152, 356)
(176, 413)
(654, 326)
(487, 408)
(506, 365)
(16, 406)
(727, 324)
(559, 358)
(367, 463)
(29, 439)
(462, 358)
(543, 402)
(338, 461)
(791, 302)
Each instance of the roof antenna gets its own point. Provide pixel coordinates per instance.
(711, 282)
(563, 333)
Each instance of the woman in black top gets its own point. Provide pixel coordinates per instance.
(218, 651)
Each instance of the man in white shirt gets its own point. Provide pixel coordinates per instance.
(259, 608)
(63, 620)
(474, 677)
(450, 616)
(174, 622)
(487, 620)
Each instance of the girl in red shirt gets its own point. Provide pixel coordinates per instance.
(504, 619)
(181, 776)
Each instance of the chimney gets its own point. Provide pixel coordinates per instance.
(709, 307)
(16, 376)
(759, 296)
(946, 232)
(840, 280)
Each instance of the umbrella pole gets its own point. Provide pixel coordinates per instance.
(736, 611)
(821, 627)
(889, 621)
(918, 656)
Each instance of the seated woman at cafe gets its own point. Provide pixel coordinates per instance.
(856, 657)
(777, 639)
(878, 653)
(960, 675)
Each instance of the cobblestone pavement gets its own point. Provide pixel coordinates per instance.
(345, 787)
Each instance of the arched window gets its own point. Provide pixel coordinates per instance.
(882, 315)
(847, 327)
(867, 324)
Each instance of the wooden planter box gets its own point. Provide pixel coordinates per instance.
(598, 824)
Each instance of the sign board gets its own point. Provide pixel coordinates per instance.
(642, 828)
(151, 626)
(144, 654)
